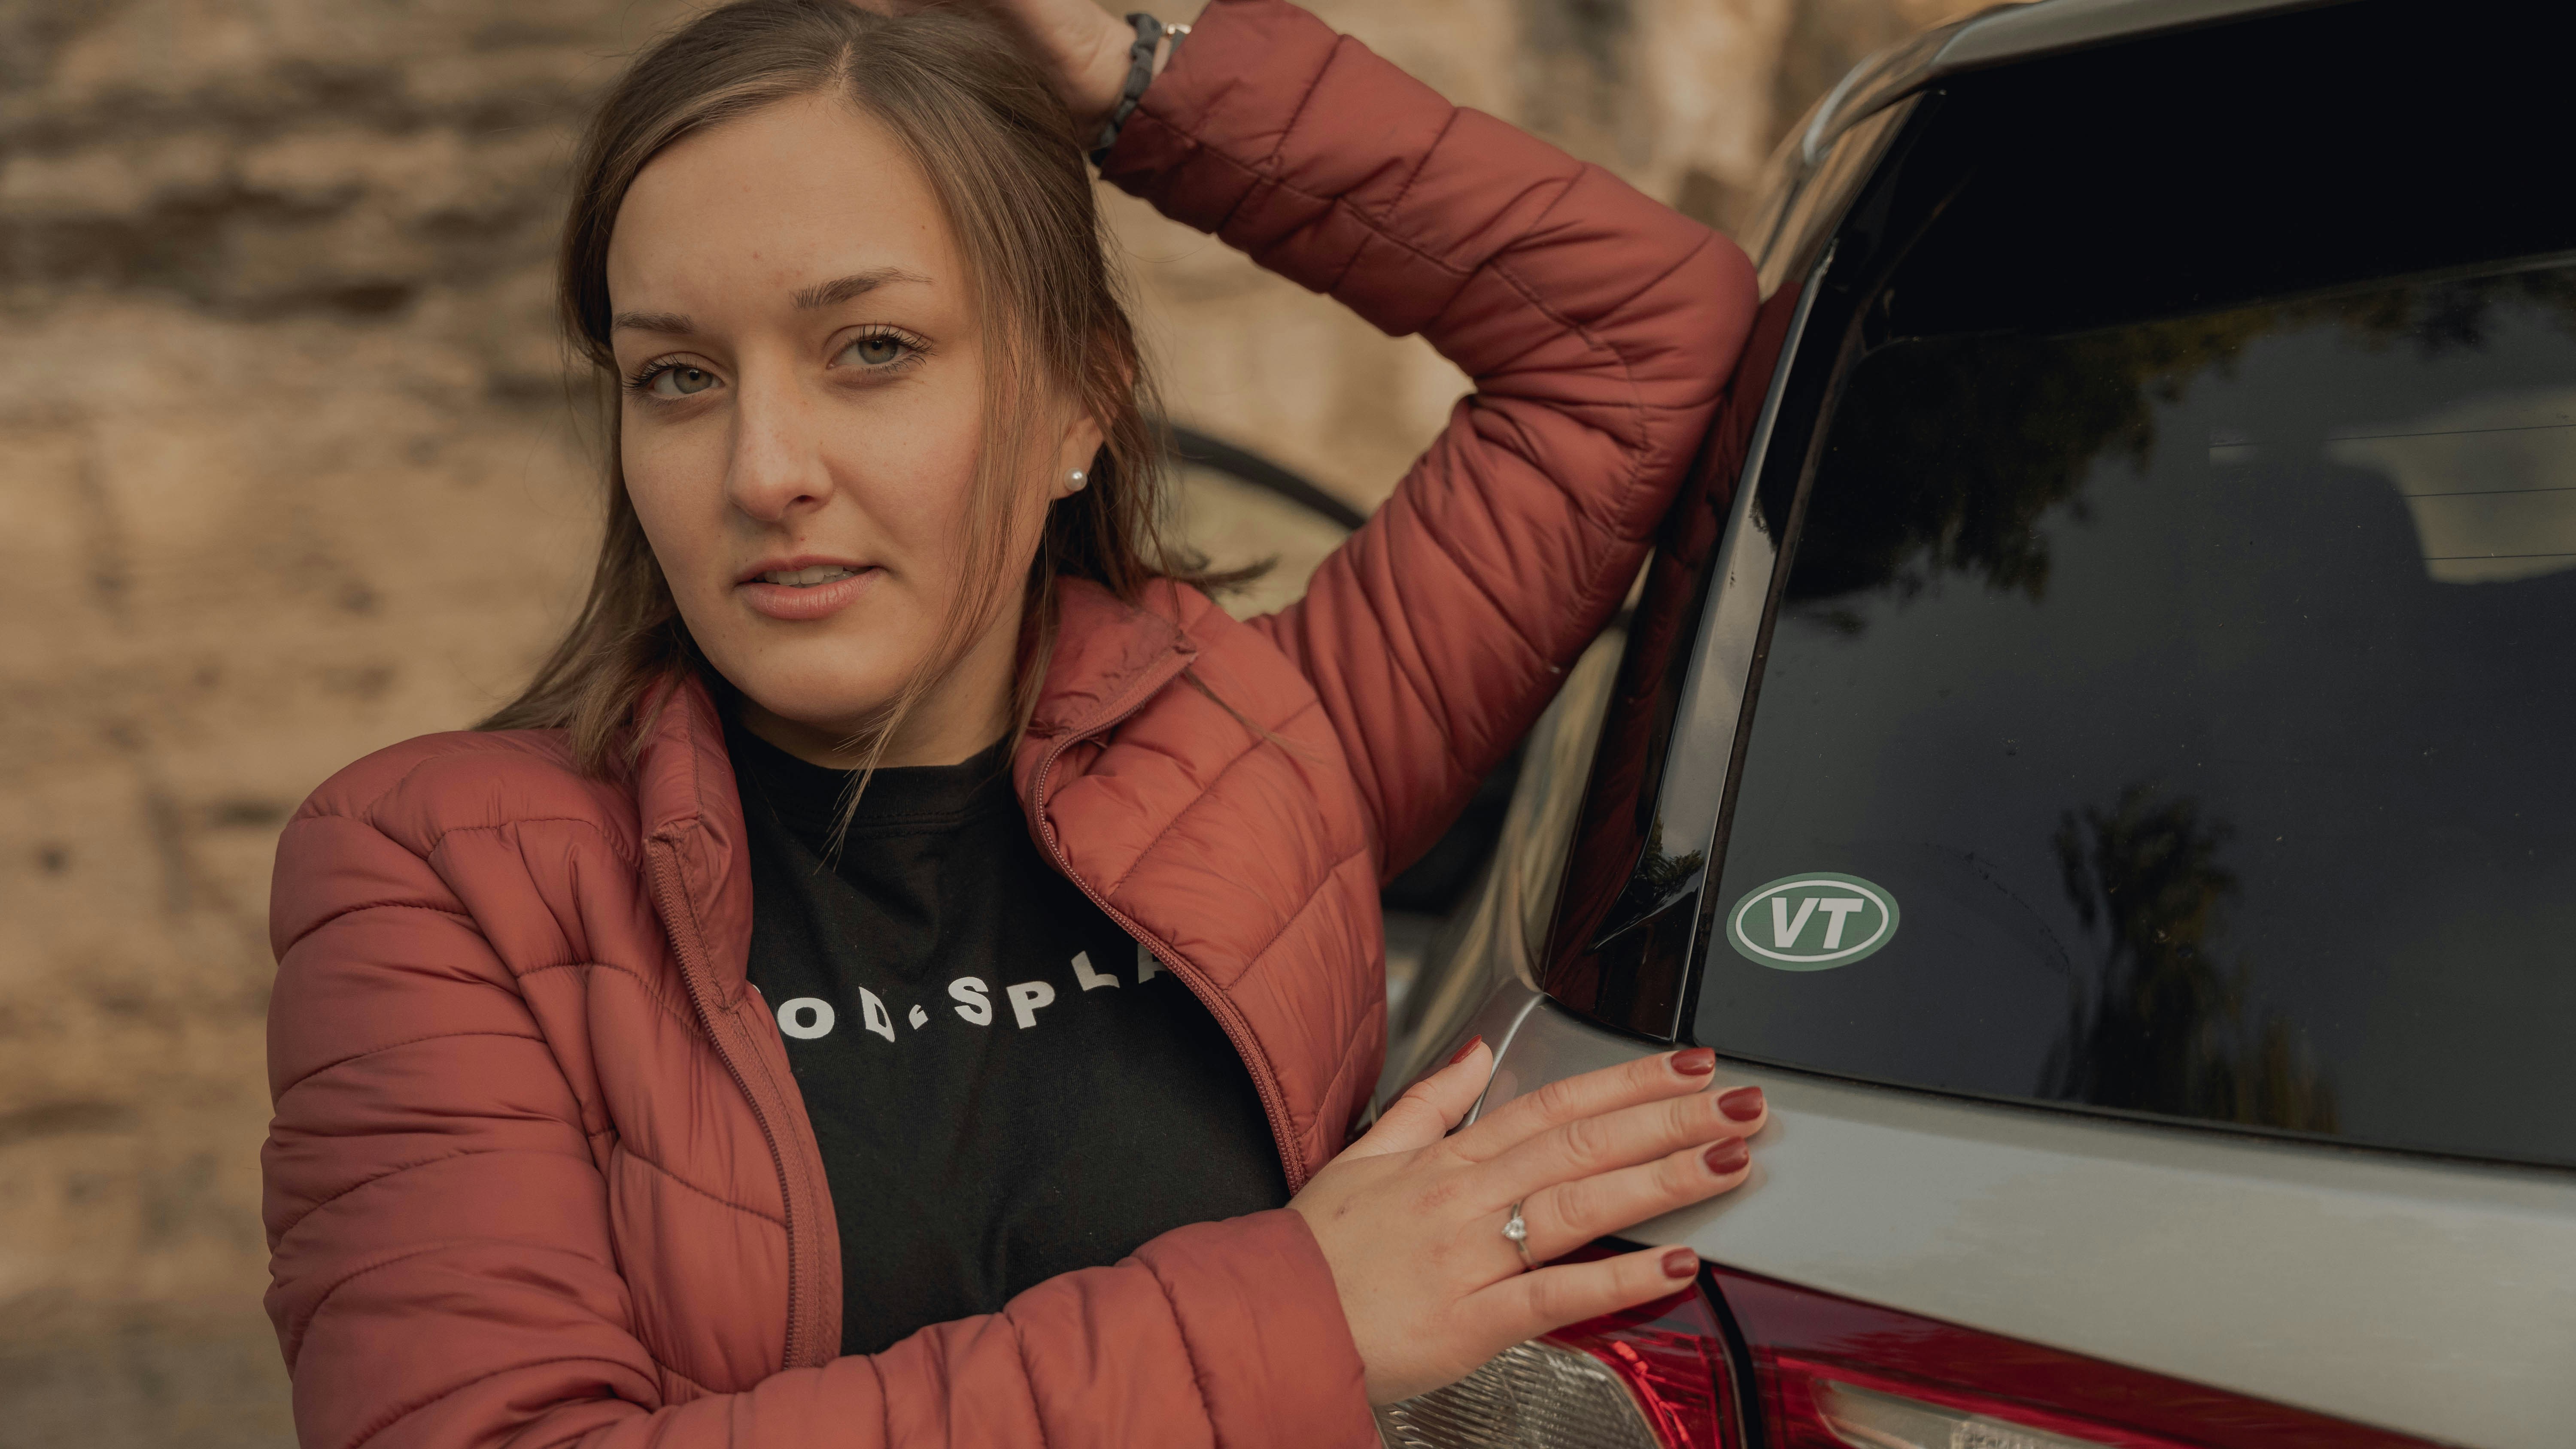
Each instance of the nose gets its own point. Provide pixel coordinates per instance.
(776, 470)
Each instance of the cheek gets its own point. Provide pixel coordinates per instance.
(678, 496)
(906, 478)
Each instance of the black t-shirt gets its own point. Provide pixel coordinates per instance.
(1004, 1084)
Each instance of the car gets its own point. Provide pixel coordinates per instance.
(2096, 744)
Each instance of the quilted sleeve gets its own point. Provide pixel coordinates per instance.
(436, 1223)
(1599, 328)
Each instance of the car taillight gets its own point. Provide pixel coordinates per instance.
(1830, 1373)
(1651, 1377)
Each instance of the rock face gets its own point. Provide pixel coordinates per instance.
(291, 466)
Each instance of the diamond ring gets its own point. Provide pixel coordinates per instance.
(1518, 1232)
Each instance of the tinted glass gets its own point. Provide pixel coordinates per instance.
(2203, 693)
(2172, 681)
(2168, 693)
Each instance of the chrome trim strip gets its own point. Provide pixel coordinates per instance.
(2432, 1298)
(1510, 1008)
(1824, 192)
(2024, 32)
(1873, 85)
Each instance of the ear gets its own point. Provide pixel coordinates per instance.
(1076, 453)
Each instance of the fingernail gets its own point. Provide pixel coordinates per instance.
(1680, 1263)
(1473, 1042)
(1728, 1157)
(1743, 1103)
(1695, 1061)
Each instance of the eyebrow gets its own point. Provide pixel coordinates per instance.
(671, 322)
(856, 284)
(813, 298)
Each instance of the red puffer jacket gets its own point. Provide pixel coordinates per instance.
(539, 1175)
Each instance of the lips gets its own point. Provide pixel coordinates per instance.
(808, 577)
(800, 590)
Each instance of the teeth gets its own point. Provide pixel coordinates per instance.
(807, 578)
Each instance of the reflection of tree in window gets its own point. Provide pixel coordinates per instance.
(1946, 453)
(2442, 318)
(2166, 1032)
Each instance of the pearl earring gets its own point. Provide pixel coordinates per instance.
(1078, 480)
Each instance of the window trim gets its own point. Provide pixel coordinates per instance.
(1627, 955)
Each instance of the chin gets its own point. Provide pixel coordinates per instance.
(823, 685)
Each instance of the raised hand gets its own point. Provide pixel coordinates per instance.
(1083, 47)
(1411, 1219)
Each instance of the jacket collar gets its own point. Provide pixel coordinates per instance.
(1110, 657)
(1105, 648)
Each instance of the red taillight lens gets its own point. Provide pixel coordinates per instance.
(1829, 1373)
(1834, 1374)
(1651, 1377)
(1672, 1357)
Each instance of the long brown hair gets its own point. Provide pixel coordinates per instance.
(999, 151)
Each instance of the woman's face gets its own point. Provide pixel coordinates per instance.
(802, 421)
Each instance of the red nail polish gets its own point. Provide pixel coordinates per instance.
(1743, 1104)
(1680, 1263)
(1728, 1157)
(1695, 1061)
(1473, 1042)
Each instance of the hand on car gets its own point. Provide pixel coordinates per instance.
(1411, 1217)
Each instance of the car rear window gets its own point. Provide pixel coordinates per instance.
(2170, 708)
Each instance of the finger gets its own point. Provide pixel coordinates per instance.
(1570, 1099)
(1427, 1110)
(1571, 1214)
(1552, 1297)
(1589, 1146)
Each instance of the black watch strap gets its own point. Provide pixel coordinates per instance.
(1140, 73)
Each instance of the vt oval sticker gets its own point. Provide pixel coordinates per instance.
(1812, 922)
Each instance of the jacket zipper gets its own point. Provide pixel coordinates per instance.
(685, 945)
(1274, 1099)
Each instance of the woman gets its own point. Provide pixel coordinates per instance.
(641, 1078)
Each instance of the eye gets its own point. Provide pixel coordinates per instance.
(877, 349)
(680, 380)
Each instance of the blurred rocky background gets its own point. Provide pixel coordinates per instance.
(291, 467)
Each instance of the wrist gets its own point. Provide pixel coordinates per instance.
(1102, 79)
(1151, 45)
